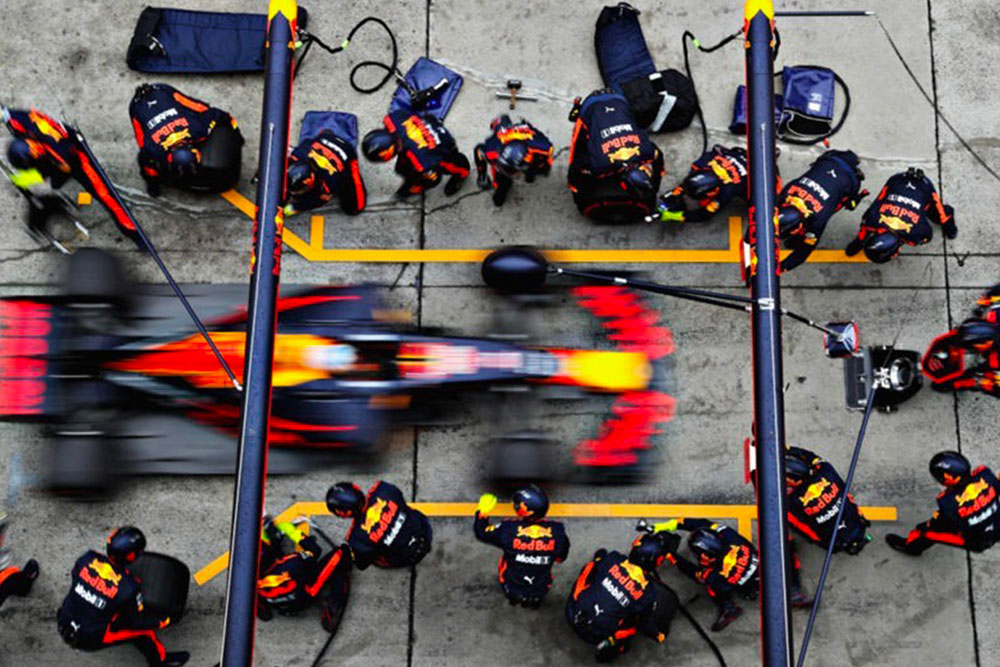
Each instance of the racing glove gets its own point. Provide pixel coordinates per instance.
(487, 503)
(670, 525)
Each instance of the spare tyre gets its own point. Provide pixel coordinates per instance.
(164, 582)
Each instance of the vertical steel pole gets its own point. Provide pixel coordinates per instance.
(265, 270)
(769, 409)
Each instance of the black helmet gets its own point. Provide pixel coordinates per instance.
(789, 218)
(647, 552)
(300, 178)
(345, 499)
(796, 469)
(513, 157)
(706, 544)
(637, 183)
(379, 145)
(975, 332)
(914, 174)
(882, 247)
(125, 545)
(503, 120)
(949, 467)
(20, 155)
(700, 184)
(183, 161)
(530, 502)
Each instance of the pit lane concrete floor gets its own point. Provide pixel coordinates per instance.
(880, 608)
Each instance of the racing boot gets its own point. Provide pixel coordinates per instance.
(31, 570)
(727, 615)
(175, 659)
(799, 598)
(898, 542)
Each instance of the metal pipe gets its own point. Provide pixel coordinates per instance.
(265, 267)
(836, 527)
(769, 418)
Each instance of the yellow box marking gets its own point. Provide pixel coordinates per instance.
(744, 515)
(314, 251)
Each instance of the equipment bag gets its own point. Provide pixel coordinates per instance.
(179, 41)
(622, 54)
(739, 124)
(662, 101)
(344, 125)
(804, 113)
(808, 110)
(429, 87)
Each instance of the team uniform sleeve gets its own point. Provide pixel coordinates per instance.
(486, 532)
(353, 196)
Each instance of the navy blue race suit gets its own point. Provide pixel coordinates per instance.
(832, 182)
(735, 573)
(538, 155)
(389, 533)
(104, 607)
(426, 152)
(607, 144)
(335, 173)
(968, 516)
(164, 119)
(289, 583)
(613, 599)
(906, 207)
(813, 506)
(58, 156)
(728, 166)
(530, 549)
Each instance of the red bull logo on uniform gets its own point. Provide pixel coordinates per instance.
(378, 517)
(539, 538)
(419, 133)
(517, 133)
(102, 577)
(324, 159)
(976, 497)
(895, 223)
(822, 493)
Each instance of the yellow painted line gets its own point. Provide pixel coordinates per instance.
(314, 251)
(743, 514)
(84, 199)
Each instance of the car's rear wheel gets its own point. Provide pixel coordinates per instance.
(95, 277)
(82, 467)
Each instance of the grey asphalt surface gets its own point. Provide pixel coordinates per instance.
(880, 608)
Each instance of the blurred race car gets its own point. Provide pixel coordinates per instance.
(128, 387)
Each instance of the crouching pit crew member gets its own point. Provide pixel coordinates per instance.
(902, 215)
(806, 204)
(104, 606)
(424, 149)
(172, 130)
(616, 596)
(614, 167)
(511, 149)
(291, 582)
(385, 531)
(968, 513)
(321, 168)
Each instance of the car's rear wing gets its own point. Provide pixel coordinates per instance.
(28, 344)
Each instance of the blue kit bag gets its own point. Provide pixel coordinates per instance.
(180, 41)
(344, 125)
(804, 113)
(434, 85)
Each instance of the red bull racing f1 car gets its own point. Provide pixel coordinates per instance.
(126, 386)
